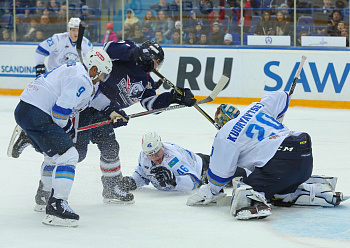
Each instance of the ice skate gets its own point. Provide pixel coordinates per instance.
(19, 141)
(59, 213)
(204, 196)
(247, 204)
(113, 191)
(41, 198)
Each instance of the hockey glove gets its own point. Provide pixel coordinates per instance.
(143, 59)
(128, 183)
(187, 98)
(119, 117)
(164, 176)
(69, 129)
(40, 69)
(158, 84)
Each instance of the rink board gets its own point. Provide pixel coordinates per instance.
(324, 80)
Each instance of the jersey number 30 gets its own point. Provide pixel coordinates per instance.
(264, 119)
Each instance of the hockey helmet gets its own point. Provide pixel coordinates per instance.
(151, 143)
(100, 59)
(73, 23)
(155, 50)
(226, 112)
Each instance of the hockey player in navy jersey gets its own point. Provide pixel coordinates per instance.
(129, 83)
(44, 114)
(278, 163)
(60, 48)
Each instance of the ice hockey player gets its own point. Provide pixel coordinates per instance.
(44, 114)
(168, 166)
(128, 83)
(278, 163)
(60, 48)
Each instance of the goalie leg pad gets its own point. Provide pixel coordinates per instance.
(248, 204)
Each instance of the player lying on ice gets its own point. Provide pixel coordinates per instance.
(278, 163)
(168, 166)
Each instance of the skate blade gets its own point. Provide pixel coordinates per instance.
(116, 201)
(247, 215)
(14, 138)
(40, 208)
(55, 221)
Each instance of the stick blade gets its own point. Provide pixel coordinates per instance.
(218, 88)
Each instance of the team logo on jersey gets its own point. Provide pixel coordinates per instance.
(69, 58)
(173, 162)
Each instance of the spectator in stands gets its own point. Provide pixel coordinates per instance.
(21, 28)
(160, 38)
(149, 16)
(322, 15)
(130, 24)
(281, 26)
(147, 30)
(301, 34)
(88, 19)
(341, 26)
(204, 39)
(139, 37)
(178, 27)
(61, 25)
(285, 11)
(165, 24)
(46, 27)
(217, 35)
(5, 35)
(176, 39)
(265, 26)
(345, 33)
(199, 28)
(186, 11)
(32, 27)
(332, 28)
(192, 38)
(53, 6)
(205, 8)
(110, 35)
(39, 8)
(39, 36)
(217, 15)
(162, 5)
(228, 39)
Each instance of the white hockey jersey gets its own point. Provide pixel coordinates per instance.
(251, 139)
(61, 92)
(60, 50)
(186, 166)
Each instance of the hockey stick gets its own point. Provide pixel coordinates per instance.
(297, 75)
(220, 85)
(196, 105)
(296, 78)
(79, 41)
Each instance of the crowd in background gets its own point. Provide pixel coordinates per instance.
(204, 22)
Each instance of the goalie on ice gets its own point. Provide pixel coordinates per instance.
(278, 163)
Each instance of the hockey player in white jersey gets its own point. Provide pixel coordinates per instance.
(169, 167)
(60, 48)
(278, 163)
(44, 113)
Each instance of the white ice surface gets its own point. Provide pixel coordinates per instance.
(162, 219)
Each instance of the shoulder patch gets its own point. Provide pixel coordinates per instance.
(173, 162)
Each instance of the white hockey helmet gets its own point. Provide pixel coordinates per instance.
(151, 143)
(100, 59)
(73, 23)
